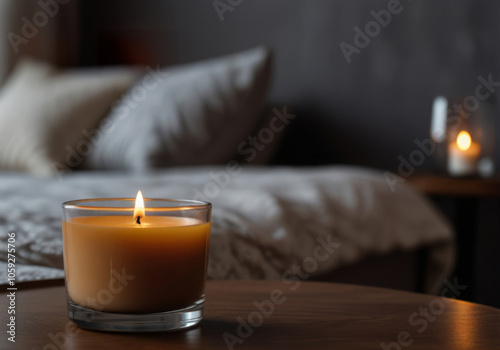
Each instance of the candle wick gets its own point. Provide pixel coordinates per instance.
(138, 221)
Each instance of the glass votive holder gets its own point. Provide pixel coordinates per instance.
(466, 130)
(130, 273)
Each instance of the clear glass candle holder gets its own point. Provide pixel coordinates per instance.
(464, 129)
(127, 273)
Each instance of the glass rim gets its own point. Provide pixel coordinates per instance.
(189, 204)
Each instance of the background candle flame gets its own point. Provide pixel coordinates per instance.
(463, 140)
(139, 210)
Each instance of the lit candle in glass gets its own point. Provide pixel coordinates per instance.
(463, 155)
(120, 260)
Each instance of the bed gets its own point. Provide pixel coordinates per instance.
(265, 221)
(198, 131)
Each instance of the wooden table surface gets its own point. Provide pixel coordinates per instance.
(313, 316)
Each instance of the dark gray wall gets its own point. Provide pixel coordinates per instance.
(369, 111)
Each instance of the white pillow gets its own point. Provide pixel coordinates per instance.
(45, 114)
(192, 114)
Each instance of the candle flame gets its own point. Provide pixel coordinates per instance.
(463, 141)
(139, 211)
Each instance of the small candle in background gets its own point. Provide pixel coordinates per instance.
(463, 155)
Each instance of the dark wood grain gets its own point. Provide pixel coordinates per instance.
(314, 316)
(456, 187)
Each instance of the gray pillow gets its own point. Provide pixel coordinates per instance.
(191, 114)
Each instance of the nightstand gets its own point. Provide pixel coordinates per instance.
(473, 207)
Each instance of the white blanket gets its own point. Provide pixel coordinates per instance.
(264, 220)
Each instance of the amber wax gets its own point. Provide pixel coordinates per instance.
(115, 264)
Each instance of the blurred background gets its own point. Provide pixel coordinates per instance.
(368, 111)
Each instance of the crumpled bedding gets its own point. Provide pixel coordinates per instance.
(264, 220)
